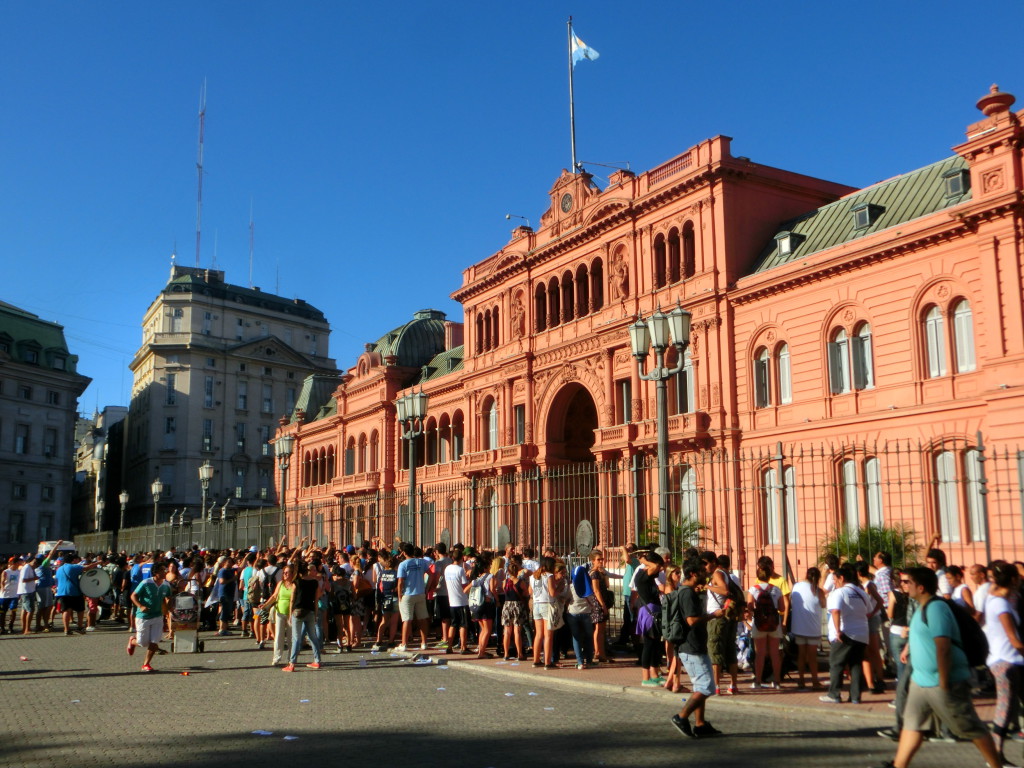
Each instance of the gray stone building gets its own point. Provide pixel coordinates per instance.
(39, 391)
(219, 365)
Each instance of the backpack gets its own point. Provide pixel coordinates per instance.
(973, 642)
(511, 590)
(674, 627)
(253, 586)
(268, 582)
(766, 615)
(734, 611)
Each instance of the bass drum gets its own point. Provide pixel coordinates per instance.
(94, 583)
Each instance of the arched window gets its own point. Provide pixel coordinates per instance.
(444, 436)
(689, 501)
(330, 463)
(582, 291)
(430, 442)
(350, 456)
(487, 330)
(682, 400)
(374, 447)
(863, 361)
(789, 497)
(762, 378)
(850, 496)
(660, 272)
(361, 458)
(306, 469)
(490, 425)
(975, 509)
(494, 328)
(479, 333)
(689, 251)
(935, 342)
(554, 305)
(963, 336)
(597, 283)
(673, 256)
(873, 490)
(839, 363)
(783, 373)
(568, 301)
(770, 502)
(458, 435)
(540, 307)
(946, 496)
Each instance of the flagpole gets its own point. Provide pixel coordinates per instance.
(572, 103)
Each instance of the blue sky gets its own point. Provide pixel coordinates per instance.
(380, 150)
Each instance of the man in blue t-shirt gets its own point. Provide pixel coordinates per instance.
(412, 597)
(68, 592)
(940, 679)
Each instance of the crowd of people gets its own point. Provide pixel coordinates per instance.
(691, 616)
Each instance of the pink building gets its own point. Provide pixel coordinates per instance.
(847, 349)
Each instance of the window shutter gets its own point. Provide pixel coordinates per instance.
(835, 368)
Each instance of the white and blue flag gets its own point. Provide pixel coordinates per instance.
(580, 50)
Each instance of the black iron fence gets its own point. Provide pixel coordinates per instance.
(261, 527)
(791, 502)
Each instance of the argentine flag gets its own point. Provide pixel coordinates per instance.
(581, 50)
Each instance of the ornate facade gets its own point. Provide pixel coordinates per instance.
(833, 331)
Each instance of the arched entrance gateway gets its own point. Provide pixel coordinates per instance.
(570, 477)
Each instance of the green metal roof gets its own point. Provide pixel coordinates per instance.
(315, 397)
(23, 331)
(416, 342)
(441, 365)
(903, 199)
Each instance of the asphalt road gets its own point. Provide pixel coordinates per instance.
(81, 701)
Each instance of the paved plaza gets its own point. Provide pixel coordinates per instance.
(81, 701)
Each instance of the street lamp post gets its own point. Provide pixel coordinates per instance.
(412, 410)
(100, 506)
(205, 476)
(283, 447)
(156, 488)
(123, 498)
(656, 333)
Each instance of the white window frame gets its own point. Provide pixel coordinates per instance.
(947, 496)
(850, 494)
(862, 358)
(770, 496)
(839, 363)
(935, 343)
(963, 337)
(762, 379)
(975, 502)
(784, 374)
(873, 490)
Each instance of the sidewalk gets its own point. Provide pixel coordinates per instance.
(623, 676)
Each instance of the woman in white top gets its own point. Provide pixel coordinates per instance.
(546, 612)
(1005, 648)
(766, 641)
(962, 594)
(807, 603)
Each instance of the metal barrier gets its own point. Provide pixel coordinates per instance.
(260, 527)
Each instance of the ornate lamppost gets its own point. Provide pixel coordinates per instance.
(283, 447)
(658, 333)
(156, 489)
(412, 410)
(205, 476)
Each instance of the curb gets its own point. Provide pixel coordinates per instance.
(610, 689)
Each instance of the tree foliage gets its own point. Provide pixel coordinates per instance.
(898, 540)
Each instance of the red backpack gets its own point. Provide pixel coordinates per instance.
(766, 615)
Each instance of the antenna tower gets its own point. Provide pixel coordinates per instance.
(252, 238)
(199, 169)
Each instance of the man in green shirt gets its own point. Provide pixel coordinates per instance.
(152, 600)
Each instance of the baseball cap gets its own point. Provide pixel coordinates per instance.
(253, 548)
(350, 549)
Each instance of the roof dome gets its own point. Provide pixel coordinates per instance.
(416, 342)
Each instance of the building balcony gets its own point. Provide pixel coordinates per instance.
(684, 429)
(505, 456)
(358, 481)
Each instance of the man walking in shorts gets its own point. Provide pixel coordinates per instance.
(693, 653)
(152, 600)
(68, 592)
(940, 680)
(412, 598)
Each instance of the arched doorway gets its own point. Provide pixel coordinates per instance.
(571, 475)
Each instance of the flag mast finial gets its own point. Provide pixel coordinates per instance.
(572, 104)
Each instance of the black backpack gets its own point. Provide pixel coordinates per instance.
(674, 627)
(973, 642)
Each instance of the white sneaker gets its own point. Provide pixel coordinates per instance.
(375, 647)
(401, 649)
(90, 629)
(423, 646)
(755, 686)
